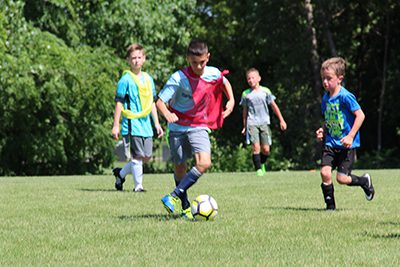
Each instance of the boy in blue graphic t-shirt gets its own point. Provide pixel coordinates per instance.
(343, 119)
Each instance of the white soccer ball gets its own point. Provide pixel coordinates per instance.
(204, 207)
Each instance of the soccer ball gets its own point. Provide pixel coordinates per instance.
(204, 207)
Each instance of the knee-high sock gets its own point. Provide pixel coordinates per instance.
(358, 180)
(137, 171)
(257, 161)
(127, 169)
(263, 158)
(184, 199)
(188, 180)
(329, 197)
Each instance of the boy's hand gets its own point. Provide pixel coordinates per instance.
(160, 131)
(244, 130)
(171, 117)
(283, 125)
(228, 108)
(115, 132)
(347, 141)
(319, 134)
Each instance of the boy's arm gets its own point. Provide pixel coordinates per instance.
(244, 115)
(278, 113)
(117, 117)
(347, 141)
(154, 115)
(170, 117)
(231, 99)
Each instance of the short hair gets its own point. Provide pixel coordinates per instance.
(337, 64)
(252, 70)
(134, 47)
(197, 47)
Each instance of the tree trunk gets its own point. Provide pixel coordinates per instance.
(383, 89)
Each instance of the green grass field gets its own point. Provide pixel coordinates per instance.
(275, 220)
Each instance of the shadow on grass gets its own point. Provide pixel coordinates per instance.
(159, 217)
(100, 190)
(382, 236)
(296, 209)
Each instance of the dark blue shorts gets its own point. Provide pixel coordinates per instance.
(342, 159)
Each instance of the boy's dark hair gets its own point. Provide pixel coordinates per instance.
(197, 47)
(132, 48)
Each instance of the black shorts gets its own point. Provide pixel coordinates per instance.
(342, 159)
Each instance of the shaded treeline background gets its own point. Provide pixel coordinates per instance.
(60, 61)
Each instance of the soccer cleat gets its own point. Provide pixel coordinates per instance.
(169, 203)
(187, 214)
(139, 190)
(369, 189)
(263, 168)
(119, 181)
(259, 172)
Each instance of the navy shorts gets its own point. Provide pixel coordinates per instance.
(342, 159)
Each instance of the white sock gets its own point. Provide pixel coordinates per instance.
(137, 171)
(126, 170)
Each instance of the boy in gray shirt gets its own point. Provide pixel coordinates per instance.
(256, 119)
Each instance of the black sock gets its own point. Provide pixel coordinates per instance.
(328, 192)
(357, 180)
(257, 161)
(263, 158)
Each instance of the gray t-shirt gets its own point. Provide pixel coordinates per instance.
(257, 104)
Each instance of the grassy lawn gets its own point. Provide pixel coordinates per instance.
(275, 220)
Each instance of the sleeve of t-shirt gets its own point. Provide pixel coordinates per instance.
(170, 88)
(243, 101)
(122, 87)
(351, 102)
(270, 98)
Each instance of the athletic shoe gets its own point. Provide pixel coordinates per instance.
(119, 181)
(169, 203)
(259, 172)
(368, 188)
(140, 190)
(187, 214)
(263, 168)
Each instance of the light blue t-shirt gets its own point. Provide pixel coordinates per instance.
(139, 127)
(257, 102)
(177, 93)
(339, 118)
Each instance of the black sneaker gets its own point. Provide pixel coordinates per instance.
(140, 190)
(368, 188)
(118, 180)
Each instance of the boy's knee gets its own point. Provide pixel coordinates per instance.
(326, 175)
(203, 165)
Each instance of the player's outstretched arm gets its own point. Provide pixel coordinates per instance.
(231, 99)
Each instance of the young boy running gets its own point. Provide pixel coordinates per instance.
(256, 120)
(134, 99)
(194, 99)
(343, 119)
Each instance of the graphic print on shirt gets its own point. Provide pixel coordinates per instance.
(334, 120)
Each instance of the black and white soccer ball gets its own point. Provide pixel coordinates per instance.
(204, 207)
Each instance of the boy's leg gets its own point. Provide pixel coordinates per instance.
(344, 175)
(327, 187)
(266, 142)
(137, 173)
(120, 175)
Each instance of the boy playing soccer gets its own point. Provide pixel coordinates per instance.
(194, 99)
(343, 119)
(256, 120)
(134, 99)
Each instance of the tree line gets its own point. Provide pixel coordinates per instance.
(60, 62)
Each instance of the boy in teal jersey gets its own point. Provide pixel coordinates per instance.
(191, 102)
(256, 119)
(343, 119)
(134, 100)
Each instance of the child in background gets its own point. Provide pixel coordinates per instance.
(134, 99)
(256, 119)
(343, 119)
